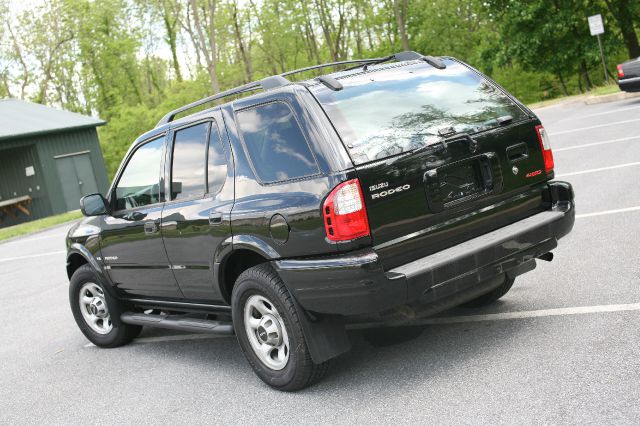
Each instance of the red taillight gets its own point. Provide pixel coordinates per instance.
(545, 145)
(620, 71)
(345, 216)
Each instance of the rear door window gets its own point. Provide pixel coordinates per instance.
(275, 143)
(188, 177)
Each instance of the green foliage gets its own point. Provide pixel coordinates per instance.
(38, 225)
(131, 61)
(130, 121)
(528, 86)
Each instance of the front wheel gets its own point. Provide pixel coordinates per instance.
(94, 311)
(269, 332)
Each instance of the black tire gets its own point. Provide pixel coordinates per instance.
(120, 334)
(493, 295)
(300, 371)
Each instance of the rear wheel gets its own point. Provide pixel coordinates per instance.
(94, 310)
(493, 295)
(268, 329)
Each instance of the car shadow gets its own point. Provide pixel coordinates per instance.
(379, 355)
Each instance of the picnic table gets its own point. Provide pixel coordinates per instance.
(11, 206)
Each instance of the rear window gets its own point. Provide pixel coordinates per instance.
(380, 114)
(274, 141)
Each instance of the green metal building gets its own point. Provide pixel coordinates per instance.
(49, 159)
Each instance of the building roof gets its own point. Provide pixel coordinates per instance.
(20, 118)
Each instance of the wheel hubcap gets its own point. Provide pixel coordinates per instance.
(266, 332)
(94, 308)
(269, 331)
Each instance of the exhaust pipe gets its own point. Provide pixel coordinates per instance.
(547, 257)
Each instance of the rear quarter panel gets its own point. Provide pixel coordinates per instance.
(298, 201)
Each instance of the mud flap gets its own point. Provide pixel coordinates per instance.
(325, 338)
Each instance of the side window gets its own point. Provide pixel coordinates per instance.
(187, 168)
(139, 184)
(217, 166)
(275, 143)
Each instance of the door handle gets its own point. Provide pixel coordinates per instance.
(150, 227)
(215, 218)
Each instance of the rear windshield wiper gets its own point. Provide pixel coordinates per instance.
(402, 56)
(504, 120)
(373, 62)
(448, 135)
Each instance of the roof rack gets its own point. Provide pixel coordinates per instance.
(329, 64)
(281, 80)
(264, 84)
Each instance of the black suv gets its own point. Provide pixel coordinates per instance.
(393, 189)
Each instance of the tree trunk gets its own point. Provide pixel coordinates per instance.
(585, 73)
(562, 84)
(207, 44)
(246, 58)
(400, 10)
(18, 54)
(327, 28)
(170, 27)
(621, 11)
(310, 34)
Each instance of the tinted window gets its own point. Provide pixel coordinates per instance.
(389, 112)
(189, 154)
(275, 143)
(139, 183)
(217, 167)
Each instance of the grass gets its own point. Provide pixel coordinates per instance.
(597, 91)
(38, 225)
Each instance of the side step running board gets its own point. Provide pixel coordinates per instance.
(178, 322)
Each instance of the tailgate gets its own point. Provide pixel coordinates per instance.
(443, 155)
(422, 203)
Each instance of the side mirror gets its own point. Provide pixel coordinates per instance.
(93, 205)
(176, 188)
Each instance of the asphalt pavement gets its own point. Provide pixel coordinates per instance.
(560, 348)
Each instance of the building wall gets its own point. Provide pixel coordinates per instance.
(15, 183)
(53, 145)
(40, 152)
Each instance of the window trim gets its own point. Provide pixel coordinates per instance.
(246, 151)
(208, 193)
(113, 194)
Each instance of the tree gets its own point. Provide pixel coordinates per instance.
(400, 10)
(534, 29)
(203, 35)
(625, 15)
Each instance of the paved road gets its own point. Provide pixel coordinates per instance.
(570, 356)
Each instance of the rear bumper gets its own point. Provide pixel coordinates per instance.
(356, 284)
(629, 84)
